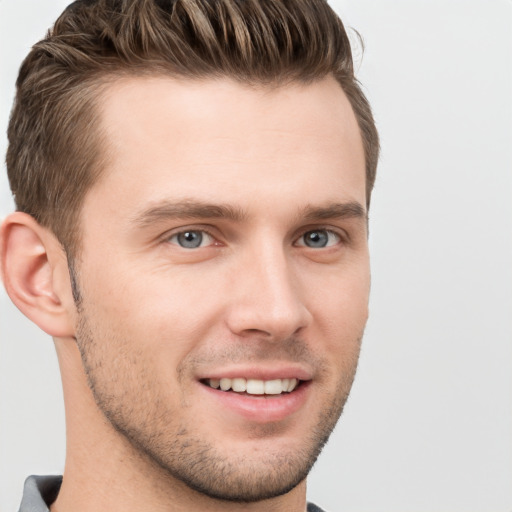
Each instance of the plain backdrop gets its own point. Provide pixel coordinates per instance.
(428, 427)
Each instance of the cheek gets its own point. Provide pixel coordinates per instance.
(341, 312)
(154, 295)
(162, 318)
(339, 301)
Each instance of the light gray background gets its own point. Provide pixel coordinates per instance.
(429, 423)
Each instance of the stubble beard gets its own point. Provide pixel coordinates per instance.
(145, 421)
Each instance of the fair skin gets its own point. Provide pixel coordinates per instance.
(226, 239)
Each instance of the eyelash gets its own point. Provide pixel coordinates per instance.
(328, 231)
(202, 231)
(341, 237)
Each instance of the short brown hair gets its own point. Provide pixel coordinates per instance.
(55, 153)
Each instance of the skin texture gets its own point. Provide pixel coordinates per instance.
(252, 171)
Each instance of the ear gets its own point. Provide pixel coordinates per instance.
(35, 274)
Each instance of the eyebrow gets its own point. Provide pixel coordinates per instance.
(187, 209)
(192, 209)
(352, 209)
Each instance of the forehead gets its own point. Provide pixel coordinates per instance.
(227, 142)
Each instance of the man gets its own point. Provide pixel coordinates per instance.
(192, 181)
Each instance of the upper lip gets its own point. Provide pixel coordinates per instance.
(282, 371)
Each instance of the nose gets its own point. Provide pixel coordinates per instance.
(268, 300)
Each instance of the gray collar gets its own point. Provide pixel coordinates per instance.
(39, 493)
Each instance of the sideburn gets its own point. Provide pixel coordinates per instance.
(73, 276)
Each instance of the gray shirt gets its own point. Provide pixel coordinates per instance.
(41, 491)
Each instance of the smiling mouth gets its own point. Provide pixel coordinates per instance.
(254, 386)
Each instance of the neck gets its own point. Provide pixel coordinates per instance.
(103, 471)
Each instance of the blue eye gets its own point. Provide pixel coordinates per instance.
(191, 239)
(318, 239)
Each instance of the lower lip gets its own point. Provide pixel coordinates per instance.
(261, 408)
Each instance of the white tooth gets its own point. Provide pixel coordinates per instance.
(293, 384)
(285, 383)
(273, 387)
(215, 383)
(225, 384)
(255, 387)
(239, 385)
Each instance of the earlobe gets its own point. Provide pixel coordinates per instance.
(32, 262)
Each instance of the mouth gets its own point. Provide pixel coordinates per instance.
(257, 387)
(278, 396)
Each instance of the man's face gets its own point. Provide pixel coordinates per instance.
(226, 241)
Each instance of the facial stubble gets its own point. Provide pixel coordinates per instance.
(132, 400)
